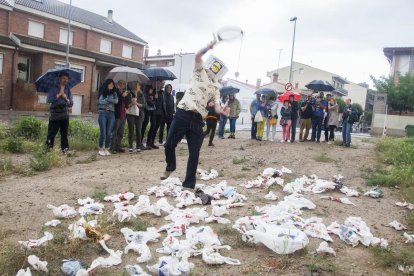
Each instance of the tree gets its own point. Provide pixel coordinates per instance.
(358, 107)
(341, 104)
(400, 91)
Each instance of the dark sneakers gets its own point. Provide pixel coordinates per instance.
(165, 175)
(210, 144)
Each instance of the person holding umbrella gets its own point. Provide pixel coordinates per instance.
(60, 99)
(253, 110)
(223, 117)
(188, 120)
(135, 116)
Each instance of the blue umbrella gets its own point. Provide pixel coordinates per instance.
(266, 91)
(158, 73)
(51, 78)
(227, 90)
(320, 85)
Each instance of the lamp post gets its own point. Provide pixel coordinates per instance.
(293, 47)
(68, 38)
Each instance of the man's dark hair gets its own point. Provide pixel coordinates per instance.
(63, 74)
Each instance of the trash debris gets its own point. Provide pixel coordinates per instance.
(91, 209)
(271, 196)
(124, 196)
(172, 266)
(375, 192)
(94, 232)
(113, 259)
(324, 248)
(406, 205)
(63, 211)
(71, 267)
(219, 211)
(31, 244)
(23, 272)
(343, 200)
(202, 235)
(135, 270)
(124, 213)
(219, 220)
(315, 228)
(349, 192)
(338, 181)
(187, 198)
(173, 246)
(53, 222)
(85, 201)
(406, 269)
(353, 231)
(409, 238)
(263, 182)
(379, 242)
(236, 200)
(397, 226)
(37, 264)
(205, 175)
(286, 170)
(309, 184)
(137, 242)
(211, 256)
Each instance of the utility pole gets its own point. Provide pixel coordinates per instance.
(293, 19)
(68, 38)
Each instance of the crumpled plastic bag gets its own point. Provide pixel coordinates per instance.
(135, 270)
(353, 231)
(202, 235)
(175, 229)
(31, 244)
(172, 266)
(379, 242)
(219, 220)
(144, 206)
(63, 211)
(84, 201)
(137, 241)
(343, 200)
(406, 269)
(315, 228)
(53, 223)
(219, 211)
(71, 267)
(168, 187)
(91, 209)
(263, 182)
(114, 258)
(176, 247)
(235, 200)
(406, 205)
(124, 196)
(375, 192)
(124, 213)
(271, 196)
(211, 256)
(397, 226)
(23, 272)
(205, 175)
(409, 238)
(349, 192)
(77, 229)
(324, 248)
(309, 184)
(37, 264)
(189, 215)
(187, 198)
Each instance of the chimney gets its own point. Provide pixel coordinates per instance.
(296, 85)
(159, 52)
(275, 77)
(258, 83)
(146, 51)
(110, 14)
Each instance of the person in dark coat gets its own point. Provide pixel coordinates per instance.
(149, 106)
(159, 113)
(295, 115)
(169, 112)
(211, 122)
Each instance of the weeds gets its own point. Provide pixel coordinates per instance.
(91, 158)
(318, 264)
(14, 145)
(4, 130)
(5, 165)
(140, 225)
(388, 259)
(29, 127)
(245, 168)
(44, 160)
(99, 194)
(241, 160)
(323, 158)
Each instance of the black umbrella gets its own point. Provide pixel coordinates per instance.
(266, 91)
(320, 85)
(158, 73)
(227, 90)
(51, 78)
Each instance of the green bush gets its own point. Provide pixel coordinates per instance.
(5, 165)
(14, 145)
(29, 127)
(341, 104)
(44, 160)
(358, 107)
(4, 130)
(368, 118)
(83, 135)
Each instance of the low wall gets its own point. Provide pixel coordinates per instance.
(395, 124)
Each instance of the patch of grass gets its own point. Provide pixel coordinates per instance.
(99, 194)
(245, 168)
(12, 257)
(241, 160)
(232, 237)
(91, 158)
(140, 224)
(4, 130)
(14, 145)
(318, 264)
(43, 159)
(5, 165)
(323, 158)
(29, 127)
(83, 135)
(255, 213)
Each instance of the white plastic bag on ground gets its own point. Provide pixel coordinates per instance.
(379, 242)
(205, 175)
(23, 272)
(137, 241)
(124, 213)
(409, 238)
(375, 192)
(286, 170)
(175, 229)
(219, 220)
(408, 269)
(91, 209)
(271, 196)
(315, 228)
(219, 211)
(211, 256)
(353, 231)
(187, 198)
(77, 230)
(84, 201)
(63, 211)
(37, 264)
(189, 215)
(349, 192)
(124, 196)
(31, 244)
(406, 205)
(397, 226)
(202, 235)
(172, 266)
(343, 200)
(113, 259)
(324, 248)
(173, 246)
(135, 270)
(53, 222)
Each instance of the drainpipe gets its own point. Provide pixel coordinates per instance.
(12, 78)
(90, 94)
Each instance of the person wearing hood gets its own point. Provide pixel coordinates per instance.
(188, 119)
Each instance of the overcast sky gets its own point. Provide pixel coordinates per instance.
(345, 37)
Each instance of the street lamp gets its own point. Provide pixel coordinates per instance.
(293, 47)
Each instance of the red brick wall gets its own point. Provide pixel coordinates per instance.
(3, 22)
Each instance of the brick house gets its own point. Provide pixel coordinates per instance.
(33, 34)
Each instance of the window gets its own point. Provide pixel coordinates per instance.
(78, 68)
(36, 29)
(106, 46)
(170, 63)
(63, 37)
(1, 63)
(127, 51)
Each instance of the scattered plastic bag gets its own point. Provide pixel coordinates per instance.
(263, 182)
(219, 211)
(37, 264)
(348, 191)
(271, 196)
(406, 269)
(113, 259)
(202, 235)
(397, 226)
(379, 242)
(353, 231)
(53, 222)
(91, 209)
(135, 270)
(187, 198)
(375, 192)
(124, 213)
(205, 175)
(286, 170)
(63, 211)
(137, 242)
(406, 205)
(343, 200)
(124, 196)
(172, 266)
(175, 229)
(324, 248)
(409, 238)
(173, 246)
(84, 201)
(189, 215)
(309, 184)
(211, 256)
(71, 267)
(31, 244)
(23, 272)
(315, 228)
(77, 230)
(219, 220)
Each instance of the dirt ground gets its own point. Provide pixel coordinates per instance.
(23, 202)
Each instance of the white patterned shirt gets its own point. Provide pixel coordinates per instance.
(202, 89)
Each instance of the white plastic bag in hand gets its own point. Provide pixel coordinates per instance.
(63, 211)
(30, 244)
(397, 226)
(271, 196)
(37, 264)
(124, 196)
(113, 259)
(210, 255)
(135, 270)
(324, 248)
(409, 238)
(84, 201)
(23, 272)
(53, 222)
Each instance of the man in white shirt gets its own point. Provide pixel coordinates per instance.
(188, 120)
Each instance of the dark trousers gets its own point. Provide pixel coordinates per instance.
(254, 129)
(190, 125)
(316, 128)
(326, 128)
(53, 128)
(293, 129)
(148, 119)
(222, 125)
(154, 128)
(118, 133)
(211, 128)
(134, 128)
(332, 133)
(161, 131)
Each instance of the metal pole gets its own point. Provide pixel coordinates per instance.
(181, 66)
(67, 41)
(293, 47)
(385, 121)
